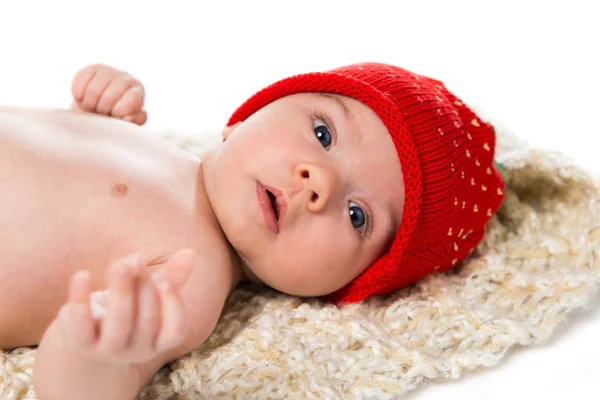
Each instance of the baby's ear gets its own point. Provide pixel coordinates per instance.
(228, 130)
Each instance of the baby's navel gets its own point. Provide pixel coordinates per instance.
(119, 189)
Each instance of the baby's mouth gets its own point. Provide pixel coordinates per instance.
(274, 204)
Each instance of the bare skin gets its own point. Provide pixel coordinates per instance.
(80, 193)
(85, 216)
(332, 159)
(83, 193)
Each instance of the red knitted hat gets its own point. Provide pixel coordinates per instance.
(452, 187)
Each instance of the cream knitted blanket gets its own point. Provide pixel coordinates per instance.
(539, 260)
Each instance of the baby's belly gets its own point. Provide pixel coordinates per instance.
(77, 192)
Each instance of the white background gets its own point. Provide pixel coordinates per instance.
(533, 65)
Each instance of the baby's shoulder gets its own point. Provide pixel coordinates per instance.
(195, 143)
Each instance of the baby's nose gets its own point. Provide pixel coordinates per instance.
(319, 181)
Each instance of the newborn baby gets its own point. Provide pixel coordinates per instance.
(119, 249)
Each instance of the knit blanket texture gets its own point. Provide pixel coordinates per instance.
(539, 261)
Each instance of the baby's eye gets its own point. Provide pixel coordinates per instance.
(358, 217)
(322, 132)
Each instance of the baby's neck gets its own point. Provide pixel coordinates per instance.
(206, 213)
(204, 170)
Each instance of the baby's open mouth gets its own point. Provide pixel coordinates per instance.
(274, 204)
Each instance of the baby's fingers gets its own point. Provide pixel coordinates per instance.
(115, 90)
(174, 322)
(138, 118)
(176, 270)
(96, 87)
(76, 316)
(170, 282)
(147, 321)
(130, 102)
(118, 320)
(81, 81)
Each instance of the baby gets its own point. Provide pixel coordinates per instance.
(341, 185)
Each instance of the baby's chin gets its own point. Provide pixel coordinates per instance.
(249, 275)
(284, 278)
(301, 287)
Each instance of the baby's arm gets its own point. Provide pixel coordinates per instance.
(146, 325)
(105, 90)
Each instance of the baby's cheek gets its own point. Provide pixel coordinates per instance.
(347, 264)
(332, 268)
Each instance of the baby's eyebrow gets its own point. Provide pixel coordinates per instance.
(340, 103)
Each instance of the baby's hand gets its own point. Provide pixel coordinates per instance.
(145, 316)
(104, 90)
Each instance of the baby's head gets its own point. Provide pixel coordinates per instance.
(377, 177)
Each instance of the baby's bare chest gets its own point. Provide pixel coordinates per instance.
(77, 196)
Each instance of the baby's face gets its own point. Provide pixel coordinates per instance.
(341, 189)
